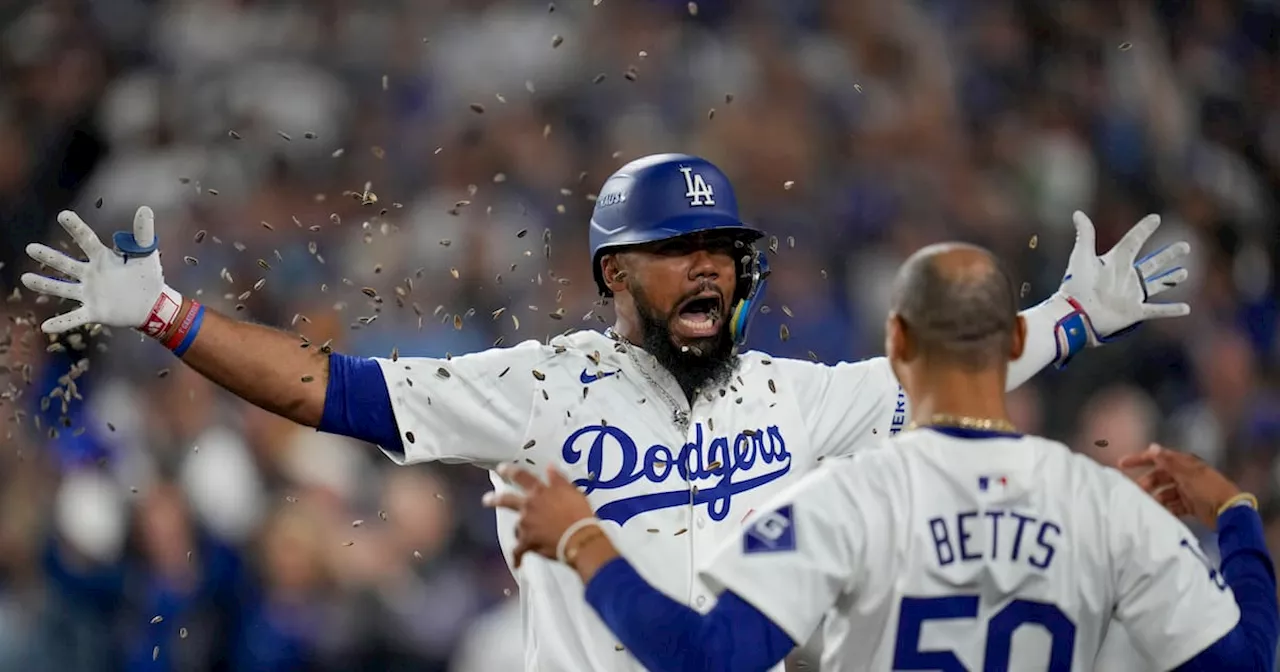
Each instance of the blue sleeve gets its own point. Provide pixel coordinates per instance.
(666, 635)
(357, 403)
(1247, 568)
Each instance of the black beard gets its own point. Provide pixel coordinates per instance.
(709, 366)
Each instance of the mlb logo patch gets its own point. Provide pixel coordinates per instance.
(771, 532)
(992, 483)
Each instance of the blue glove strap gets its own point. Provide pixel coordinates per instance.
(1071, 335)
(129, 247)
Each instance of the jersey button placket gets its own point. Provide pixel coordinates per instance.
(691, 511)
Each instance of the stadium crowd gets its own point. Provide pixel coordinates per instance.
(443, 154)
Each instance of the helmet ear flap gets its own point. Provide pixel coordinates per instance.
(755, 273)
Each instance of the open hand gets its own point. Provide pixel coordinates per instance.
(1114, 290)
(1182, 483)
(546, 509)
(119, 287)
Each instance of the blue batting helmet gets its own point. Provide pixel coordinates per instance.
(669, 195)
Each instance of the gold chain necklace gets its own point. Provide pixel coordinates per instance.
(679, 416)
(966, 422)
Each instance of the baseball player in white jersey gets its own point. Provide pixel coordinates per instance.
(674, 436)
(958, 545)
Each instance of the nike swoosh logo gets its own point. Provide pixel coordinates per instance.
(588, 378)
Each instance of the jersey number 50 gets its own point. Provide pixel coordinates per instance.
(916, 611)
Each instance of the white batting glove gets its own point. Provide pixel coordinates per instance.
(121, 287)
(1110, 295)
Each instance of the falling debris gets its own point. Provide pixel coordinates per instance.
(1035, 240)
(1126, 46)
(477, 108)
(556, 41)
(693, 9)
(788, 184)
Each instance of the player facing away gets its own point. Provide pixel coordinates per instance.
(673, 434)
(957, 545)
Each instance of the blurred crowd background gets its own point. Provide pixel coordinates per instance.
(296, 151)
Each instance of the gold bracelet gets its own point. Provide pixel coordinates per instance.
(1242, 498)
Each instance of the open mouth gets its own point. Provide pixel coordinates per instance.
(700, 316)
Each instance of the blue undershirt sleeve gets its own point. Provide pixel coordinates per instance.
(1247, 568)
(666, 635)
(357, 403)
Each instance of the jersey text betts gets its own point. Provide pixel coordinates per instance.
(1025, 538)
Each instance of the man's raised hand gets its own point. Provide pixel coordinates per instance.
(120, 287)
(1183, 483)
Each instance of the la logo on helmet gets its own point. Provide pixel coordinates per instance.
(696, 189)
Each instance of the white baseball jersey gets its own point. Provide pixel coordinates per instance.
(668, 495)
(945, 553)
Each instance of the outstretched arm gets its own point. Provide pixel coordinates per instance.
(125, 287)
(1227, 619)
(263, 366)
(477, 416)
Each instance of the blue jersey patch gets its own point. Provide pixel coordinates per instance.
(771, 532)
